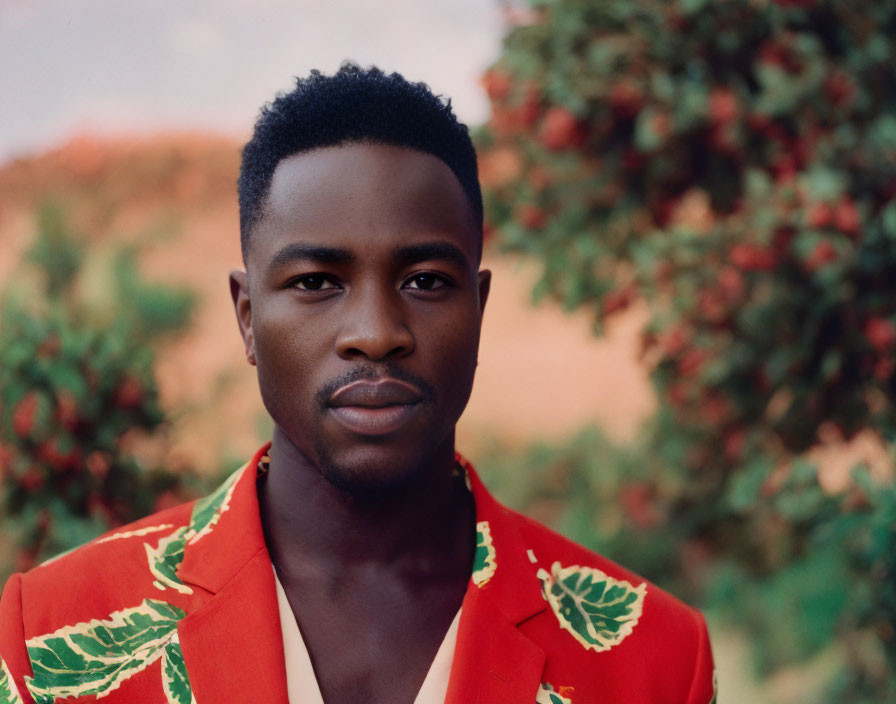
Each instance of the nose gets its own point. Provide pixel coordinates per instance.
(374, 326)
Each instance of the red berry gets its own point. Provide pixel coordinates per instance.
(24, 413)
(50, 453)
(675, 340)
(559, 129)
(618, 300)
(821, 215)
(31, 479)
(714, 408)
(497, 83)
(751, 257)
(846, 217)
(530, 216)
(734, 442)
(723, 106)
(731, 284)
(692, 361)
(881, 334)
(840, 89)
(129, 393)
(66, 410)
(661, 124)
(626, 99)
(823, 253)
(711, 305)
(98, 464)
(529, 111)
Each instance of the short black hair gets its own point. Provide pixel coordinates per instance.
(353, 105)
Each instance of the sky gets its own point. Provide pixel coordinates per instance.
(125, 66)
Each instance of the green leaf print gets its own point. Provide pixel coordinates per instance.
(174, 675)
(547, 695)
(596, 609)
(207, 511)
(165, 558)
(9, 693)
(95, 657)
(484, 563)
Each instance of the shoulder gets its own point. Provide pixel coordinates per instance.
(605, 627)
(98, 577)
(559, 558)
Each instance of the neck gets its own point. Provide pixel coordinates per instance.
(423, 527)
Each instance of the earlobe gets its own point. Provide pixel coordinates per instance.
(239, 292)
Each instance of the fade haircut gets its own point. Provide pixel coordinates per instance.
(353, 105)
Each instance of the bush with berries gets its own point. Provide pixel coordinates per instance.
(733, 164)
(78, 397)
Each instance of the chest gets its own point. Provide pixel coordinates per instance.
(385, 644)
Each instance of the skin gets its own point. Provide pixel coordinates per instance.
(364, 267)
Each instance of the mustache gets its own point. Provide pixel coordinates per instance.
(325, 392)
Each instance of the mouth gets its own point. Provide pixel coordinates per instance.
(375, 407)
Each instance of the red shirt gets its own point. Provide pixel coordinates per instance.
(181, 606)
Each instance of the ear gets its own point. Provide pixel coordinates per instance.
(239, 291)
(485, 284)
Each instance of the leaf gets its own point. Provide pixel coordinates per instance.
(95, 657)
(165, 558)
(174, 674)
(207, 511)
(9, 693)
(597, 610)
(484, 564)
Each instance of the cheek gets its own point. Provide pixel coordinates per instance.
(454, 350)
(287, 348)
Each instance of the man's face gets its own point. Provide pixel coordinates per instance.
(361, 309)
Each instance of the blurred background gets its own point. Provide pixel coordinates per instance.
(689, 355)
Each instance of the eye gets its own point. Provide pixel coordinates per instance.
(425, 282)
(314, 282)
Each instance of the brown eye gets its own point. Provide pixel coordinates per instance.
(425, 282)
(314, 282)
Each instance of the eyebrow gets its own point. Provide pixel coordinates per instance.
(412, 254)
(300, 251)
(405, 256)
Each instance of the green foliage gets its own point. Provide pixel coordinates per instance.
(95, 658)
(77, 390)
(154, 310)
(733, 164)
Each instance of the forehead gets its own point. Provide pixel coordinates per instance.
(362, 195)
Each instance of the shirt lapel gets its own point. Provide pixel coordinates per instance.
(494, 661)
(232, 643)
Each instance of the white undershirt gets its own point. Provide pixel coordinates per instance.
(302, 686)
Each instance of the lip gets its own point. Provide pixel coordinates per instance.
(377, 393)
(378, 407)
(374, 421)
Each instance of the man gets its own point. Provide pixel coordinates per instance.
(357, 558)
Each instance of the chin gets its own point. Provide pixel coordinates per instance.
(370, 471)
